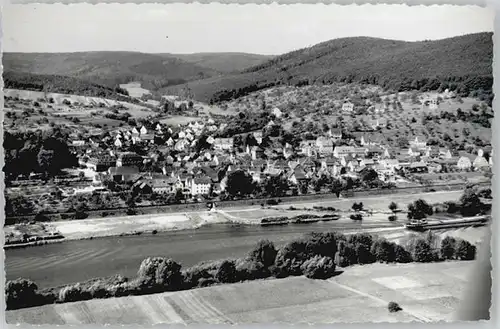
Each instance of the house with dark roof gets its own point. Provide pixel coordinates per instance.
(128, 159)
(123, 174)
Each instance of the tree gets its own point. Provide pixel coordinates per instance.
(384, 251)
(393, 206)
(318, 267)
(160, 272)
(464, 250)
(422, 252)
(276, 186)
(419, 209)
(336, 186)
(226, 272)
(470, 203)
(402, 255)
(369, 175)
(20, 293)
(239, 183)
(179, 196)
(448, 245)
(264, 252)
(46, 160)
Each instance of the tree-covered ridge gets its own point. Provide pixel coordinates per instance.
(62, 84)
(461, 63)
(109, 68)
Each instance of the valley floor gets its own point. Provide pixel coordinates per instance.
(128, 225)
(427, 292)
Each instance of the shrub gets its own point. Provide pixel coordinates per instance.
(356, 217)
(193, 275)
(447, 249)
(318, 267)
(226, 273)
(422, 252)
(392, 218)
(384, 251)
(264, 252)
(464, 250)
(271, 202)
(73, 293)
(394, 307)
(402, 255)
(206, 282)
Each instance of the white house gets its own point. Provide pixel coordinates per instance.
(143, 130)
(277, 112)
(224, 144)
(324, 145)
(348, 107)
(170, 141)
(258, 136)
(118, 143)
(464, 163)
(200, 185)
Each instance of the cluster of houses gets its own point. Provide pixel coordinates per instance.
(206, 172)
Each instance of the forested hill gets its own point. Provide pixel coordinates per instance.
(462, 63)
(62, 84)
(109, 68)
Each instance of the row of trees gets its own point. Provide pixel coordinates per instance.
(314, 255)
(469, 204)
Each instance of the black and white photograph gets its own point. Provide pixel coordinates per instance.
(241, 164)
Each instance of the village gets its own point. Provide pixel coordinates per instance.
(155, 163)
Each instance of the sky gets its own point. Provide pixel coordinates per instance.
(189, 28)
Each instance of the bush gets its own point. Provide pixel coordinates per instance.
(394, 307)
(226, 273)
(193, 275)
(422, 252)
(271, 202)
(73, 293)
(448, 246)
(318, 267)
(356, 217)
(464, 250)
(206, 282)
(264, 252)
(392, 218)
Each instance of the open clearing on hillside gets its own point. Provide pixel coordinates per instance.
(134, 89)
(426, 292)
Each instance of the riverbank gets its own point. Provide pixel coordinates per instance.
(427, 292)
(250, 215)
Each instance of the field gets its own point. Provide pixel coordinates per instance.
(426, 292)
(134, 89)
(32, 110)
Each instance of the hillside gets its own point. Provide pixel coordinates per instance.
(61, 84)
(224, 62)
(109, 68)
(460, 63)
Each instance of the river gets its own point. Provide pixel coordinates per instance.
(73, 261)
